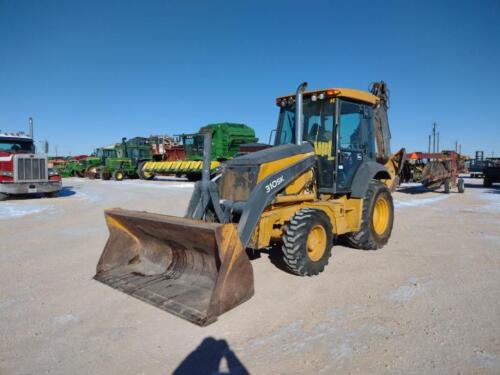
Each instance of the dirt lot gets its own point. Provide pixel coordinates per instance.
(428, 303)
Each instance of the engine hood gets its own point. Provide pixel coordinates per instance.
(271, 154)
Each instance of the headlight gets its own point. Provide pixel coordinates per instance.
(6, 173)
(53, 172)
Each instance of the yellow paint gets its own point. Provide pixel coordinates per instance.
(178, 166)
(316, 243)
(323, 148)
(363, 96)
(344, 215)
(267, 169)
(298, 185)
(381, 216)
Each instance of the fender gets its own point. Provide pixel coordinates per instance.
(365, 173)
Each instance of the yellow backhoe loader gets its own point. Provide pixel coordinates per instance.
(328, 175)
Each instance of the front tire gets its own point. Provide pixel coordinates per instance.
(52, 194)
(307, 242)
(143, 175)
(461, 185)
(118, 175)
(376, 219)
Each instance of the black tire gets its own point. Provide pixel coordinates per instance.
(367, 238)
(52, 194)
(193, 176)
(143, 175)
(461, 185)
(3, 196)
(447, 186)
(487, 182)
(104, 174)
(91, 172)
(296, 254)
(118, 175)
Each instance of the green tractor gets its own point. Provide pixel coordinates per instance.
(92, 163)
(128, 157)
(226, 141)
(78, 167)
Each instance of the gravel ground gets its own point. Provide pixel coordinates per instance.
(427, 303)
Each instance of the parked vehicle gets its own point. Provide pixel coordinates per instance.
(226, 141)
(128, 158)
(22, 169)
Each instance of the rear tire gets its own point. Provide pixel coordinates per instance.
(447, 186)
(307, 242)
(486, 182)
(52, 194)
(91, 172)
(3, 196)
(461, 185)
(118, 175)
(374, 234)
(104, 174)
(193, 176)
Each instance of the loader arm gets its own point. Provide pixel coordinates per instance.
(264, 194)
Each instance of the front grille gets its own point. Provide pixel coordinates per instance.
(31, 169)
(237, 182)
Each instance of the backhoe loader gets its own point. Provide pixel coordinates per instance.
(328, 176)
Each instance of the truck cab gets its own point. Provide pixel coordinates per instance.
(22, 170)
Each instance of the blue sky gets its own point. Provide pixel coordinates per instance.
(90, 72)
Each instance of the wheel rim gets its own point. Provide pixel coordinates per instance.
(316, 243)
(381, 215)
(119, 176)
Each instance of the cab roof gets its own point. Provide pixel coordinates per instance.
(359, 95)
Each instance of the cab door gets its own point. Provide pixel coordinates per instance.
(355, 141)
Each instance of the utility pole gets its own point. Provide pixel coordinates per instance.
(434, 137)
(437, 149)
(56, 150)
(456, 147)
(429, 145)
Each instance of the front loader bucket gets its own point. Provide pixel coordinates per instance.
(193, 269)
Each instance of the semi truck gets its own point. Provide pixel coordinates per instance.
(22, 169)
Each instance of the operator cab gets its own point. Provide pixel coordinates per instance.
(338, 123)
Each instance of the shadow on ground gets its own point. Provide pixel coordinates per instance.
(493, 189)
(419, 190)
(206, 360)
(67, 191)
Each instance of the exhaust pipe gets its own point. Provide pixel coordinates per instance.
(298, 112)
(30, 124)
(207, 157)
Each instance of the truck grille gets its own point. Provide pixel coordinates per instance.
(31, 169)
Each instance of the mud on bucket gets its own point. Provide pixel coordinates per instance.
(193, 269)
